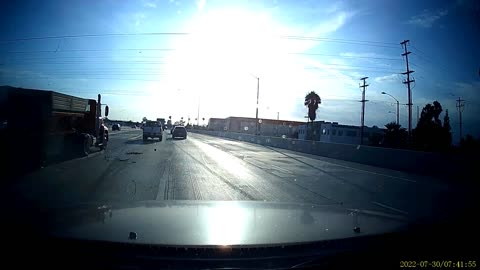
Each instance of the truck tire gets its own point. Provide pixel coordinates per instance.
(145, 138)
(85, 146)
(160, 138)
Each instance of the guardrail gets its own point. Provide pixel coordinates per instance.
(396, 159)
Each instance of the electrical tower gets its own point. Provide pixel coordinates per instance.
(364, 86)
(460, 107)
(408, 81)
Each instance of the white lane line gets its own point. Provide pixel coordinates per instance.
(135, 137)
(390, 208)
(281, 169)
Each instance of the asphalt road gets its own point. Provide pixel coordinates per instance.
(209, 168)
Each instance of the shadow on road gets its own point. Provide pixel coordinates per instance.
(20, 163)
(175, 139)
(141, 141)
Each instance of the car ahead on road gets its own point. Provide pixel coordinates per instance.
(152, 129)
(115, 127)
(179, 131)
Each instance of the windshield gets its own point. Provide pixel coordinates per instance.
(152, 124)
(369, 105)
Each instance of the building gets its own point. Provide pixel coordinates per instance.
(332, 132)
(216, 124)
(266, 127)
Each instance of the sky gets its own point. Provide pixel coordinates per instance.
(204, 58)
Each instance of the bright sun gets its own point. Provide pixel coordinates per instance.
(219, 60)
(225, 48)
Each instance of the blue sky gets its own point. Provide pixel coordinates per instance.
(293, 46)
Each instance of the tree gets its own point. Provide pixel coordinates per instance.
(430, 134)
(447, 129)
(312, 100)
(395, 136)
(144, 119)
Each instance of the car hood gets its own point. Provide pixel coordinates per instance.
(204, 223)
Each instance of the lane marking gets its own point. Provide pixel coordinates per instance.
(336, 164)
(281, 169)
(381, 174)
(135, 137)
(390, 208)
(347, 167)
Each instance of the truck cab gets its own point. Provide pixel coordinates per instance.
(152, 129)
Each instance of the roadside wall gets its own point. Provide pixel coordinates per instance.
(396, 159)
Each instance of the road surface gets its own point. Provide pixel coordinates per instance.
(209, 168)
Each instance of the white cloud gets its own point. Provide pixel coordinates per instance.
(387, 78)
(201, 4)
(149, 4)
(427, 18)
(333, 24)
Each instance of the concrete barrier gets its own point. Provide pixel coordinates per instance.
(396, 159)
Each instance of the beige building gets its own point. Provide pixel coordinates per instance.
(266, 127)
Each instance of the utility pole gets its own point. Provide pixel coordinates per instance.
(256, 112)
(364, 86)
(407, 82)
(418, 117)
(460, 107)
(198, 112)
(278, 115)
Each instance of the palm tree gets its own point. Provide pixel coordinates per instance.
(312, 100)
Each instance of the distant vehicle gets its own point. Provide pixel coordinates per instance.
(179, 131)
(115, 127)
(162, 122)
(152, 129)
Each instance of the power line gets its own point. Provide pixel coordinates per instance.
(97, 78)
(338, 39)
(436, 65)
(56, 53)
(346, 41)
(420, 51)
(348, 56)
(86, 50)
(343, 65)
(56, 57)
(93, 35)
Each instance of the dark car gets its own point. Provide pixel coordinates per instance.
(179, 131)
(116, 127)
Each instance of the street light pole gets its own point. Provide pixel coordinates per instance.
(258, 93)
(256, 111)
(398, 105)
